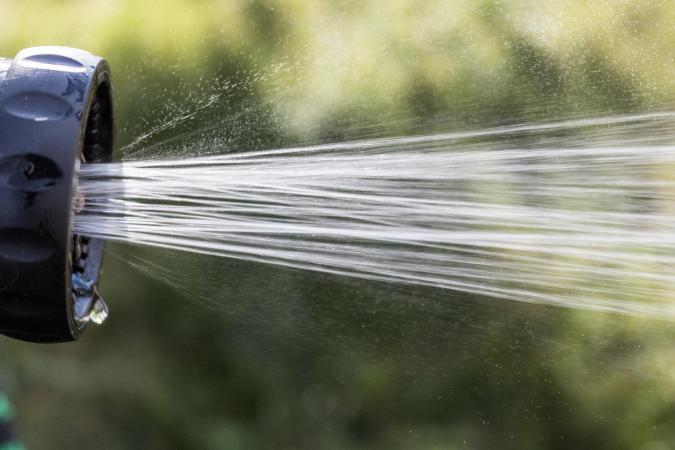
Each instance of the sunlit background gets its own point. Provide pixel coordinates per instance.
(206, 353)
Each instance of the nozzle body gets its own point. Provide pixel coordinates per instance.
(55, 113)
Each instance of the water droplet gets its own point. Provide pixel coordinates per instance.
(99, 311)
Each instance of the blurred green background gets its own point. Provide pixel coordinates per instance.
(201, 353)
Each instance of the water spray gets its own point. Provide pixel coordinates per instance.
(55, 114)
(576, 213)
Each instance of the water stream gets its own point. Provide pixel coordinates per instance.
(577, 213)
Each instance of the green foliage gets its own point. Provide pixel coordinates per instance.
(227, 355)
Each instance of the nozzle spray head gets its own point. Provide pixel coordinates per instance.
(55, 113)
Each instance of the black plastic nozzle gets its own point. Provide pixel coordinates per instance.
(55, 113)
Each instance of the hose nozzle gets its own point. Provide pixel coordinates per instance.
(55, 113)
